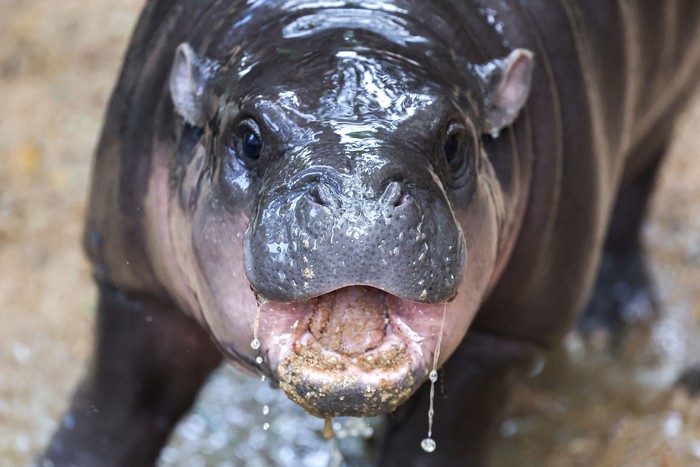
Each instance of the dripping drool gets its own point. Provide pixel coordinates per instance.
(428, 444)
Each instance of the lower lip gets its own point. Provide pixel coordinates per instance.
(328, 384)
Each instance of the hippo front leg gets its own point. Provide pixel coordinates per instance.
(149, 364)
(623, 291)
(470, 396)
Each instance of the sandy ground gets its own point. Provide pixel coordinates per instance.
(58, 62)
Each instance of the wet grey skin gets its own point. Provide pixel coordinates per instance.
(321, 192)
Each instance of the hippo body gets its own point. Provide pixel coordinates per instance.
(344, 196)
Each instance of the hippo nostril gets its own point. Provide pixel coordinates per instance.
(393, 196)
(315, 197)
(403, 199)
(322, 195)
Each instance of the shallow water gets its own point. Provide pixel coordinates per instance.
(58, 61)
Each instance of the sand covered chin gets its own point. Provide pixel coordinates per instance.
(349, 359)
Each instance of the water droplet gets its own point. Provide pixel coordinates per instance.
(258, 360)
(428, 444)
(433, 376)
(509, 428)
(265, 409)
(537, 367)
(262, 377)
(266, 426)
(69, 421)
(255, 343)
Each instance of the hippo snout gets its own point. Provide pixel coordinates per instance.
(335, 231)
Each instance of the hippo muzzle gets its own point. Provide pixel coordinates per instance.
(347, 252)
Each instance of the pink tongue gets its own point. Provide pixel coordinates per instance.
(350, 321)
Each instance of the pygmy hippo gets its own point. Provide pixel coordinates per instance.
(345, 196)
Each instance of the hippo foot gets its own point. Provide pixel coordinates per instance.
(623, 296)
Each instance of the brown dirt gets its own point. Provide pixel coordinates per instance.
(58, 61)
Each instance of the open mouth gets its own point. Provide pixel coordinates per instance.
(356, 351)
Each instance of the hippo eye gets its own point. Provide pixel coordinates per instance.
(250, 143)
(452, 148)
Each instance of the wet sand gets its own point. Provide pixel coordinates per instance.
(58, 62)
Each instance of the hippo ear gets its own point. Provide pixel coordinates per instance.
(188, 79)
(507, 88)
